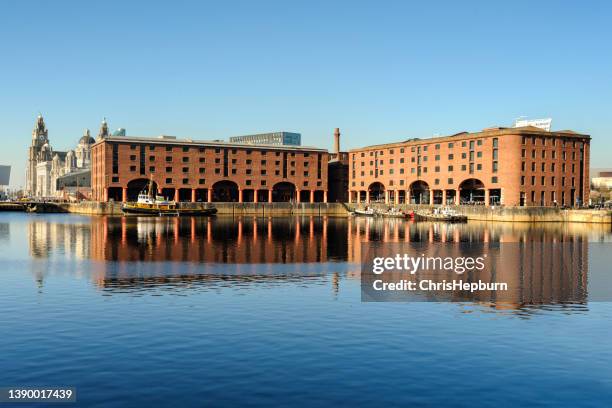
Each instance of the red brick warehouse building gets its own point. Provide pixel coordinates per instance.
(524, 166)
(206, 171)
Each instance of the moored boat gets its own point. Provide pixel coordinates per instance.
(148, 204)
(394, 213)
(440, 215)
(368, 212)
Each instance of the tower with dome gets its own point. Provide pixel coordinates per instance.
(46, 165)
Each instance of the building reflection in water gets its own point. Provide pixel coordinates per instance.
(178, 249)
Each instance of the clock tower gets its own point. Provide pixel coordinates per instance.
(38, 151)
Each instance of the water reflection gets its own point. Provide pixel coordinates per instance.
(178, 254)
(270, 240)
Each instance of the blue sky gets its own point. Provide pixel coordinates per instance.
(381, 71)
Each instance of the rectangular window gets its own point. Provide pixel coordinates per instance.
(143, 155)
(115, 158)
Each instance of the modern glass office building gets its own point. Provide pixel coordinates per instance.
(273, 138)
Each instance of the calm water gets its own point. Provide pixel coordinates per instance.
(260, 312)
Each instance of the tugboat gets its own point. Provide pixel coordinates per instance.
(149, 204)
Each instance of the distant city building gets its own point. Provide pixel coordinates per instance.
(119, 132)
(544, 124)
(75, 185)
(274, 138)
(525, 166)
(46, 165)
(601, 178)
(5, 175)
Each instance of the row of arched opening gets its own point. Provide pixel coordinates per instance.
(471, 191)
(221, 191)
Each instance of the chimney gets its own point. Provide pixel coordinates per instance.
(337, 141)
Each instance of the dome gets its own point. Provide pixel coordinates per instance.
(87, 140)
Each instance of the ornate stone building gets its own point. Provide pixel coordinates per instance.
(46, 165)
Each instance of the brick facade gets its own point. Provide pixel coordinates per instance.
(510, 166)
(185, 170)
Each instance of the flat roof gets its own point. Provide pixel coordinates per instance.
(489, 132)
(173, 140)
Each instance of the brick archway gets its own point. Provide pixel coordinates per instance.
(225, 191)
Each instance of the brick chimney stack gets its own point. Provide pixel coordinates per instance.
(337, 141)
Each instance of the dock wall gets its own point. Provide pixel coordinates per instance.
(514, 214)
(479, 213)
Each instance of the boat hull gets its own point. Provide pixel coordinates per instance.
(134, 210)
(440, 218)
(363, 213)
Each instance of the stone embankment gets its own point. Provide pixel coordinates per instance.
(479, 213)
(257, 209)
(513, 214)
